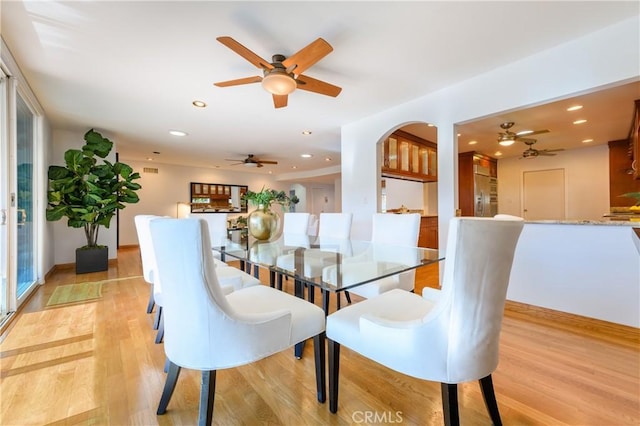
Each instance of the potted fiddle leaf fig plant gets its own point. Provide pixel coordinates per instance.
(88, 193)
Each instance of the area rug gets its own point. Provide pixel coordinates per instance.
(73, 293)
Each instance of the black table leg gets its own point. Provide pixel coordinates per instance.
(299, 292)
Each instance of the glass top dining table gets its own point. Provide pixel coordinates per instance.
(333, 265)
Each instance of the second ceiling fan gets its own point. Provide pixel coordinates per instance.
(251, 161)
(283, 75)
(508, 137)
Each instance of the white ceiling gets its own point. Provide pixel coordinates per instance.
(132, 69)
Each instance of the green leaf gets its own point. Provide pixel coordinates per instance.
(73, 160)
(97, 144)
(57, 172)
(56, 213)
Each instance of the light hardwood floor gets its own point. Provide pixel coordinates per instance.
(96, 363)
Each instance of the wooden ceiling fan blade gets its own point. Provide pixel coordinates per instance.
(317, 86)
(307, 56)
(526, 140)
(537, 132)
(245, 53)
(239, 81)
(280, 101)
(267, 162)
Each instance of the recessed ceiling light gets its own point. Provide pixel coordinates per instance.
(587, 140)
(306, 155)
(270, 172)
(306, 132)
(498, 154)
(294, 167)
(580, 121)
(473, 142)
(177, 133)
(459, 134)
(149, 159)
(327, 158)
(199, 104)
(574, 108)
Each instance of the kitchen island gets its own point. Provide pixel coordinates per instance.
(588, 268)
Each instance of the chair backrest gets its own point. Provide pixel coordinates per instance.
(296, 223)
(396, 229)
(144, 242)
(217, 224)
(194, 303)
(313, 225)
(335, 225)
(477, 267)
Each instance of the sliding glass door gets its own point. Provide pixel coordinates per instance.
(18, 218)
(25, 130)
(4, 191)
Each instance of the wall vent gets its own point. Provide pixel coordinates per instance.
(150, 170)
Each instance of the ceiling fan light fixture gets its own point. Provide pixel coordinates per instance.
(506, 140)
(250, 164)
(278, 83)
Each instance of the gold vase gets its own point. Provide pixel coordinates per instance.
(263, 223)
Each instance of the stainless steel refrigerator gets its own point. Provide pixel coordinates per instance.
(485, 190)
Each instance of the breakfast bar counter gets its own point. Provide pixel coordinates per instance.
(588, 268)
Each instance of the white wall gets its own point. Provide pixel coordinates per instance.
(586, 181)
(404, 192)
(46, 238)
(161, 192)
(605, 57)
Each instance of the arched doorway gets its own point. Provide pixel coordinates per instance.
(408, 183)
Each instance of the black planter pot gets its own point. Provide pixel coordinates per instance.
(94, 259)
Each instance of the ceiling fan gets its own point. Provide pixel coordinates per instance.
(283, 75)
(531, 152)
(508, 137)
(252, 161)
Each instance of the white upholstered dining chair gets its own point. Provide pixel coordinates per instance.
(207, 330)
(230, 278)
(145, 257)
(217, 224)
(390, 232)
(295, 223)
(448, 336)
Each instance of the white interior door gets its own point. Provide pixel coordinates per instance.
(321, 201)
(543, 195)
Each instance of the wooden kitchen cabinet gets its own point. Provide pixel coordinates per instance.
(620, 181)
(406, 156)
(428, 236)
